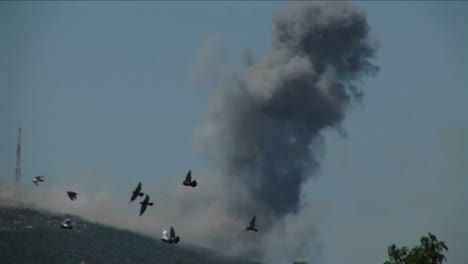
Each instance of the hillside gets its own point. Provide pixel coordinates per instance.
(33, 237)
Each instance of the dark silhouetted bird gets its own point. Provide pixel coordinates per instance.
(67, 224)
(252, 225)
(188, 180)
(137, 192)
(72, 195)
(38, 179)
(172, 239)
(145, 204)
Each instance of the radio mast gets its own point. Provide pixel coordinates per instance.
(18, 164)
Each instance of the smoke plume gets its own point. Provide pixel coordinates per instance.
(264, 126)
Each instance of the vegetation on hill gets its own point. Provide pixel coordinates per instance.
(30, 236)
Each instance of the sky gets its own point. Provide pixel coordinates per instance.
(106, 96)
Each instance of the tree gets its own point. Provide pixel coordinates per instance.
(428, 252)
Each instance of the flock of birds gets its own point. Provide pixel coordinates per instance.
(171, 238)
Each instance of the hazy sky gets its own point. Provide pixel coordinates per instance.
(105, 95)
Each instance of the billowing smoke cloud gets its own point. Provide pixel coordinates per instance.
(265, 124)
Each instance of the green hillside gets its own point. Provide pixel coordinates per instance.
(33, 237)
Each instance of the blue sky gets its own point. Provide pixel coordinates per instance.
(105, 89)
(107, 83)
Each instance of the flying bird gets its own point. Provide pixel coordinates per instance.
(145, 204)
(188, 180)
(38, 179)
(252, 225)
(72, 195)
(165, 238)
(67, 224)
(172, 239)
(137, 192)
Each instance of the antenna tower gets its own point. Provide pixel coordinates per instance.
(18, 163)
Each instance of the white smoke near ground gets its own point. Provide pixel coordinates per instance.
(197, 214)
(200, 216)
(178, 207)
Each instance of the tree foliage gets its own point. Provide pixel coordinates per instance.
(428, 252)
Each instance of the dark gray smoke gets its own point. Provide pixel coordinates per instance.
(265, 125)
(268, 124)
